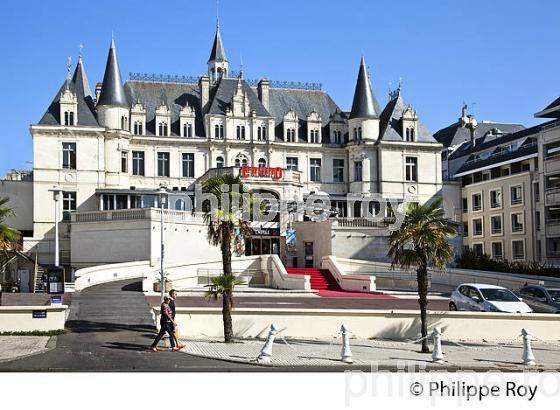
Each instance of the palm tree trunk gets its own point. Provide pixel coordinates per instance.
(227, 297)
(422, 276)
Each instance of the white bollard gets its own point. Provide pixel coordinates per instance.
(437, 353)
(266, 352)
(528, 356)
(346, 354)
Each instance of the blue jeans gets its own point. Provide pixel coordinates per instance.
(165, 327)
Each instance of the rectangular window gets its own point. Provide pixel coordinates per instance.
(478, 249)
(338, 170)
(69, 155)
(495, 198)
(516, 195)
(477, 227)
(517, 222)
(465, 202)
(337, 137)
(124, 161)
(411, 164)
(340, 207)
(138, 163)
(315, 170)
(138, 127)
(292, 163)
(188, 165)
(496, 224)
(497, 250)
(68, 204)
(465, 229)
(163, 164)
(477, 202)
(291, 135)
(357, 170)
(518, 250)
(537, 220)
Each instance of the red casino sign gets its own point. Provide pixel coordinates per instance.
(272, 172)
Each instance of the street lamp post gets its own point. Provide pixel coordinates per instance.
(56, 196)
(162, 193)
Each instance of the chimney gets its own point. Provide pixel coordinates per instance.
(263, 89)
(98, 87)
(204, 88)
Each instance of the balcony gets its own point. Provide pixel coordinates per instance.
(552, 163)
(133, 215)
(383, 223)
(552, 196)
(553, 228)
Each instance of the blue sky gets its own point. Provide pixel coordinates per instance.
(500, 54)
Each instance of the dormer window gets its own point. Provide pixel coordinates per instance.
(261, 133)
(219, 162)
(240, 132)
(187, 130)
(69, 118)
(290, 135)
(138, 128)
(163, 129)
(409, 134)
(337, 137)
(219, 132)
(314, 136)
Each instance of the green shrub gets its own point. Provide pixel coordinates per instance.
(35, 333)
(470, 260)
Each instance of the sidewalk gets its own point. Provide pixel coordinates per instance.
(16, 347)
(389, 355)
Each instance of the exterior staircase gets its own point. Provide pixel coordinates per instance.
(321, 279)
(39, 286)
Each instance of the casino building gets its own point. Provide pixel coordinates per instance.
(107, 151)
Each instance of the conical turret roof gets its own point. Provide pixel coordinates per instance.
(112, 91)
(218, 52)
(365, 104)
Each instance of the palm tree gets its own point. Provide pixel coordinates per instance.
(222, 222)
(422, 241)
(9, 237)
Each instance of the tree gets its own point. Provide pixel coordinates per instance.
(222, 220)
(9, 237)
(422, 241)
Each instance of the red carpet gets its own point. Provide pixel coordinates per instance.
(327, 286)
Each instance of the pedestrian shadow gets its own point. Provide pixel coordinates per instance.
(86, 326)
(127, 346)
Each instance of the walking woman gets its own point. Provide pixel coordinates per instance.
(167, 324)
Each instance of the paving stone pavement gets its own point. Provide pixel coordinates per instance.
(16, 347)
(381, 354)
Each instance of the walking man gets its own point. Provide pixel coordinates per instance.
(166, 323)
(173, 296)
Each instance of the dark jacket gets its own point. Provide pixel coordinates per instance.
(172, 307)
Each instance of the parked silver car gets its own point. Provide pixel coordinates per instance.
(541, 299)
(478, 297)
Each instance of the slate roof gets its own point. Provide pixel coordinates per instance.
(112, 91)
(455, 134)
(302, 102)
(365, 104)
(218, 52)
(175, 95)
(86, 107)
(222, 94)
(467, 152)
(390, 125)
(552, 110)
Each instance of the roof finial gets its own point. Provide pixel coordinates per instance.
(241, 65)
(217, 14)
(81, 52)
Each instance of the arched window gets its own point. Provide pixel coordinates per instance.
(180, 205)
(262, 162)
(219, 162)
(264, 133)
(410, 134)
(242, 132)
(259, 133)
(244, 161)
(237, 162)
(216, 131)
(138, 127)
(124, 123)
(221, 132)
(238, 132)
(162, 128)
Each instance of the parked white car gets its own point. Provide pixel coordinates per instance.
(478, 297)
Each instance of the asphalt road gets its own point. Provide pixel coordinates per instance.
(110, 329)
